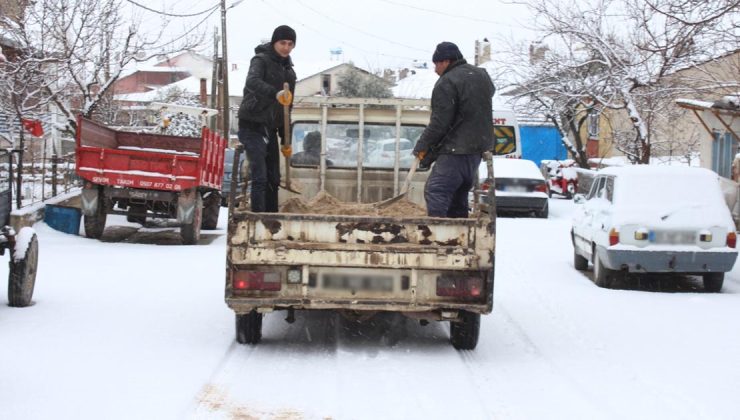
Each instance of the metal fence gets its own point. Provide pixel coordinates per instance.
(42, 178)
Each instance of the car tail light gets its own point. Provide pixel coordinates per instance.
(485, 185)
(459, 286)
(255, 280)
(613, 236)
(732, 239)
(540, 188)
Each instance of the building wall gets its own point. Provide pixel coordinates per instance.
(312, 85)
(137, 82)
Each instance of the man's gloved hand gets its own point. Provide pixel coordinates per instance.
(285, 97)
(286, 150)
(420, 154)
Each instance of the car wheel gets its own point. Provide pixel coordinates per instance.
(464, 332)
(602, 275)
(542, 214)
(713, 282)
(249, 328)
(579, 262)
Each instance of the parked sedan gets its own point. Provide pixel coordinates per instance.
(519, 185)
(647, 219)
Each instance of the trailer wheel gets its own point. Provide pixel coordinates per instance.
(713, 282)
(249, 328)
(22, 275)
(464, 332)
(95, 224)
(190, 232)
(211, 207)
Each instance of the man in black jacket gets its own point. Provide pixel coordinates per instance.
(261, 115)
(459, 131)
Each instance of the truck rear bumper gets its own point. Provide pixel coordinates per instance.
(242, 305)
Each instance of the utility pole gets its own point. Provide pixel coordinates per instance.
(225, 73)
(214, 79)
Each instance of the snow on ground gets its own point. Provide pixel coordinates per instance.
(136, 330)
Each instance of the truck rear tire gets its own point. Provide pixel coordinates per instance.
(22, 275)
(464, 332)
(190, 232)
(249, 328)
(211, 208)
(713, 282)
(95, 224)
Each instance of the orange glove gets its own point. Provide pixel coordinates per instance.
(287, 151)
(285, 97)
(421, 154)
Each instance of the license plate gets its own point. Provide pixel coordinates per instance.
(358, 282)
(516, 188)
(671, 237)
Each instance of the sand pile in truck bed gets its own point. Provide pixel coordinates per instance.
(325, 203)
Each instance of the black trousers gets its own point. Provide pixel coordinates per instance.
(447, 188)
(263, 155)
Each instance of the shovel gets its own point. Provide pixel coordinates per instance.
(404, 188)
(286, 142)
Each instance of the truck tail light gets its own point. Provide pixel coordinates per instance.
(460, 286)
(613, 236)
(540, 188)
(732, 239)
(256, 280)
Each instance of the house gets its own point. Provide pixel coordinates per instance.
(721, 123)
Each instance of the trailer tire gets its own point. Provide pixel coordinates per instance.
(190, 232)
(464, 333)
(211, 208)
(22, 275)
(95, 224)
(713, 282)
(249, 328)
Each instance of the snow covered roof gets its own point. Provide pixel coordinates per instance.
(729, 104)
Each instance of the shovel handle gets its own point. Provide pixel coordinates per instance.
(412, 171)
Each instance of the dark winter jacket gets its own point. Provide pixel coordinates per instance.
(267, 73)
(462, 113)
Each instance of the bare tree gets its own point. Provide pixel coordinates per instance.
(81, 47)
(630, 53)
(355, 83)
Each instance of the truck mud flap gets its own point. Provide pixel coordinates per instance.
(90, 200)
(186, 206)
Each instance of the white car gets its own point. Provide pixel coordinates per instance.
(383, 153)
(520, 187)
(654, 219)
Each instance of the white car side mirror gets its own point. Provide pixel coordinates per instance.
(579, 199)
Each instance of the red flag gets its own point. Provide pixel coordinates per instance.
(33, 126)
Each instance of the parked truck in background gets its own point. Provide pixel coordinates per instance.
(145, 175)
(430, 269)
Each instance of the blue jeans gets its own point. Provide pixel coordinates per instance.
(447, 188)
(263, 156)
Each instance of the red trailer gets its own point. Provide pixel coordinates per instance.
(143, 175)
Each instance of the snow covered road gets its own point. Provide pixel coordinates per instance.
(137, 330)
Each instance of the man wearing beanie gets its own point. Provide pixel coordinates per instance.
(261, 115)
(459, 131)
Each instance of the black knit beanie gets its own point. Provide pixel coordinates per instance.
(283, 32)
(446, 51)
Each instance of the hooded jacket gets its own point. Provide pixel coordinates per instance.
(462, 113)
(267, 73)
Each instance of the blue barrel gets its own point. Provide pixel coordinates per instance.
(62, 218)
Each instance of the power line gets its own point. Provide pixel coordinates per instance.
(423, 9)
(159, 12)
(282, 13)
(360, 30)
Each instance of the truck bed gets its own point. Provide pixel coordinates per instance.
(148, 161)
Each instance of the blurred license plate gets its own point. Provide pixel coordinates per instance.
(358, 282)
(672, 237)
(516, 188)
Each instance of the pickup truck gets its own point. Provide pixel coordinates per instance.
(430, 269)
(23, 246)
(145, 175)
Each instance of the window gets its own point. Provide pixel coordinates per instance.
(593, 124)
(378, 149)
(326, 84)
(596, 187)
